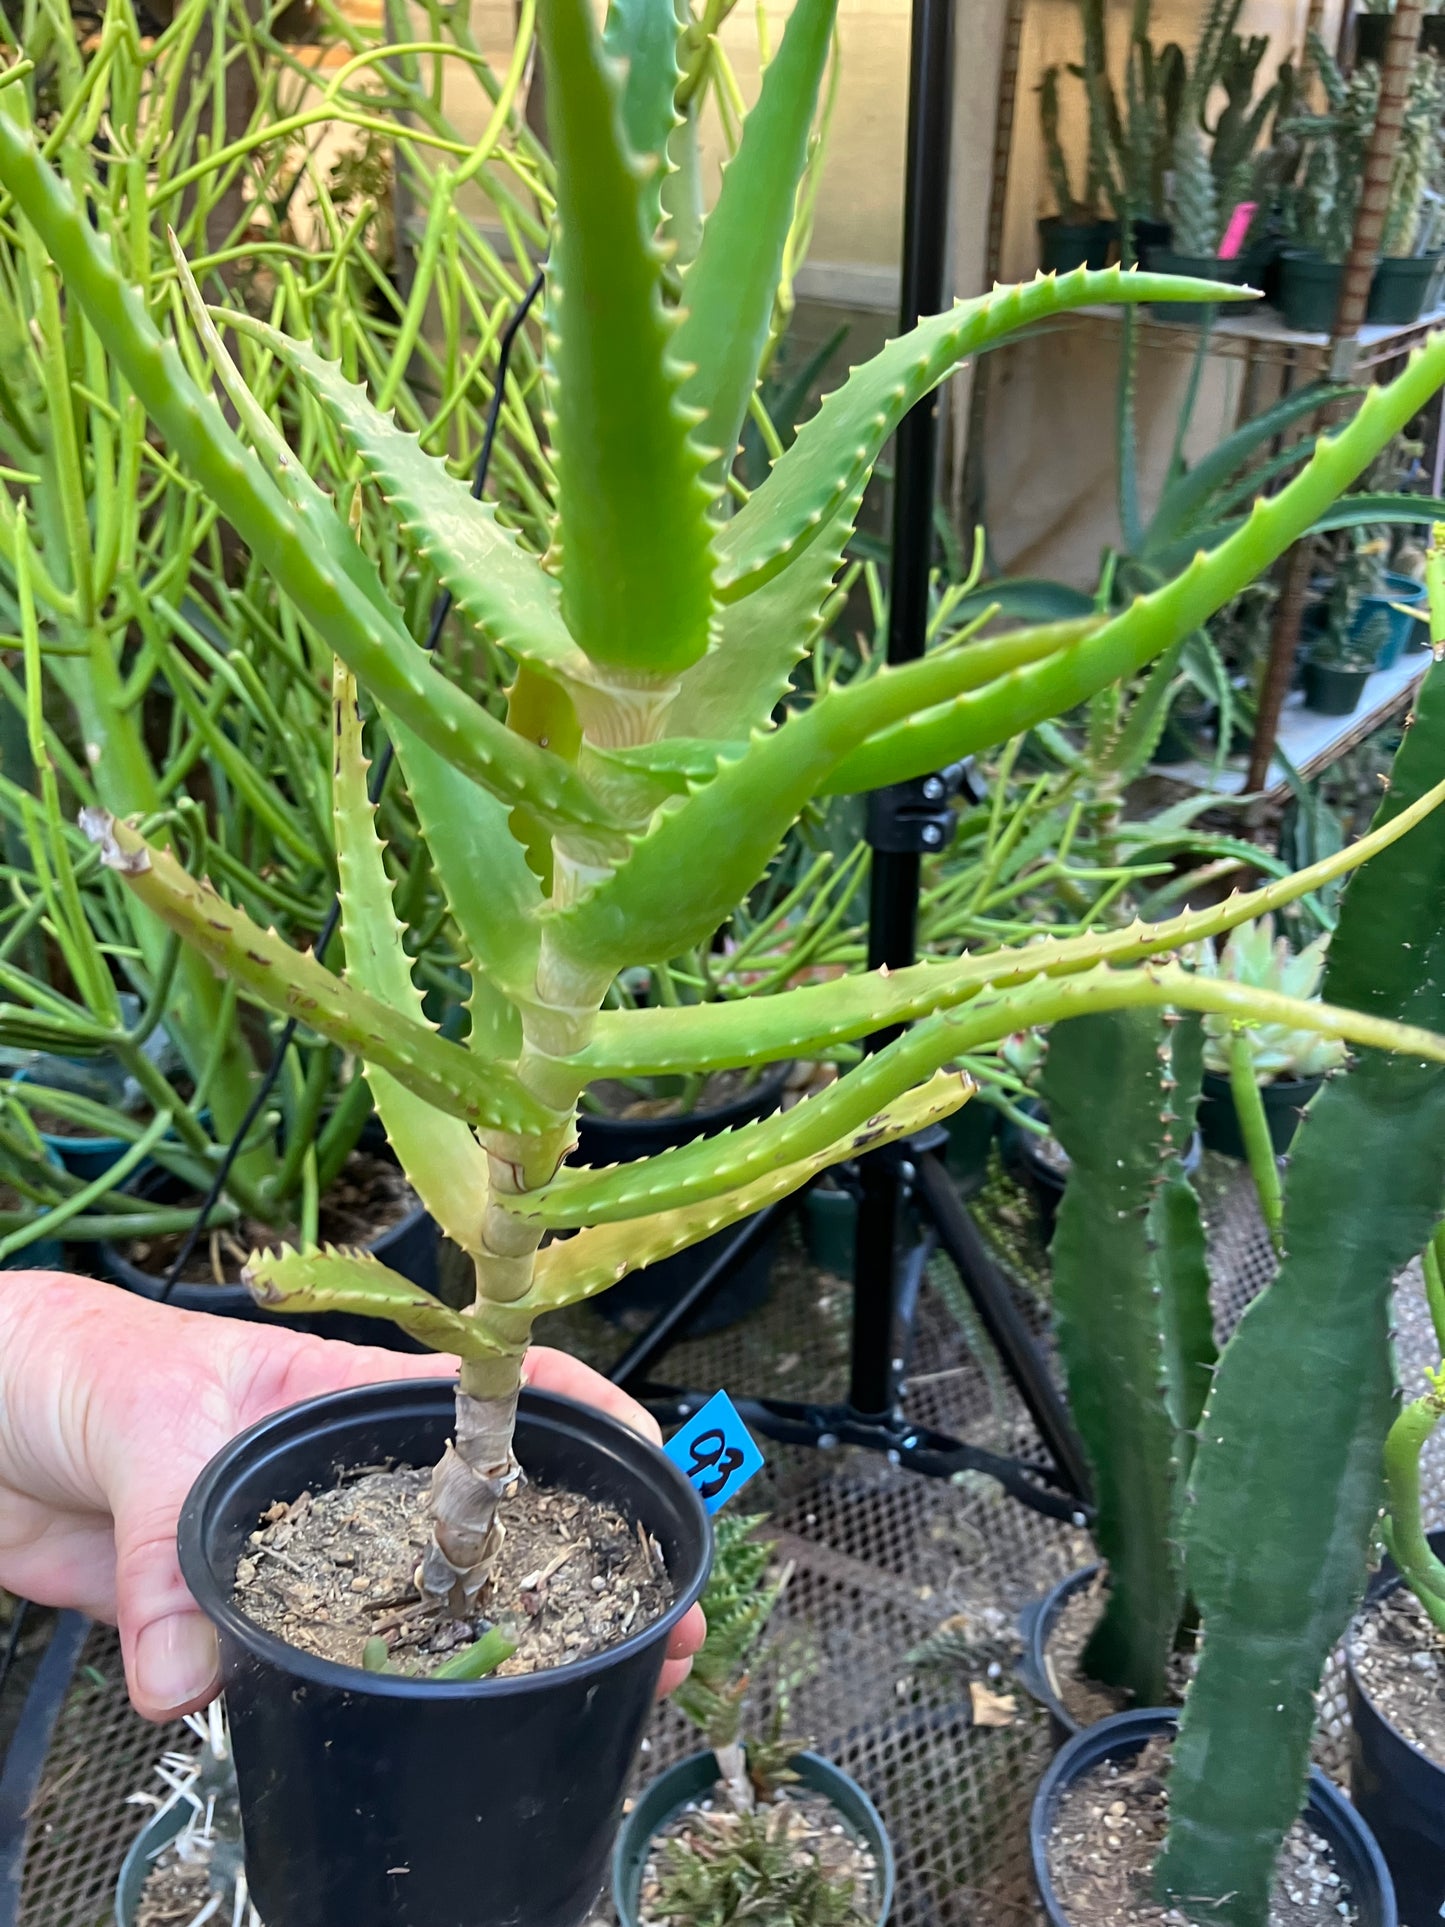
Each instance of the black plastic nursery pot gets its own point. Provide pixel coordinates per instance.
(642, 1295)
(693, 1778)
(1203, 267)
(1333, 691)
(1075, 244)
(1149, 232)
(971, 1132)
(411, 1247)
(1036, 1627)
(1284, 1099)
(135, 1869)
(1357, 1858)
(1398, 1789)
(378, 1800)
(1309, 290)
(1399, 289)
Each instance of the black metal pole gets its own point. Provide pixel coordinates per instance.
(893, 887)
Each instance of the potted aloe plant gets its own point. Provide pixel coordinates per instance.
(753, 1827)
(1076, 234)
(637, 788)
(1286, 1066)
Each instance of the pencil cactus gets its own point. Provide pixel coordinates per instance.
(639, 784)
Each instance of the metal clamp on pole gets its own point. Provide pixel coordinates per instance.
(917, 816)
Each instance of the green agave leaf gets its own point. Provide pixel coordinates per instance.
(570, 1269)
(301, 553)
(642, 35)
(294, 984)
(1026, 599)
(335, 1279)
(1350, 512)
(729, 290)
(1107, 1086)
(495, 582)
(795, 1023)
(443, 1161)
(1302, 1474)
(835, 451)
(1021, 700)
(632, 505)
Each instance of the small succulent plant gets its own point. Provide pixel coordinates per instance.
(1255, 956)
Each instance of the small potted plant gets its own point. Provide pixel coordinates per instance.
(749, 1828)
(1286, 1066)
(1076, 235)
(1339, 665)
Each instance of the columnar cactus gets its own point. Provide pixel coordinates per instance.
(642, 780)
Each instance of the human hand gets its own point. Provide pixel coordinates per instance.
(109, 1408)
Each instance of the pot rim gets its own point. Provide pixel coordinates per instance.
(887, 1862)
(1382, 1582)
(216, 1600)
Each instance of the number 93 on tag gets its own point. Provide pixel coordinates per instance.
(715, 1451)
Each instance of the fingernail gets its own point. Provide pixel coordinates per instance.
(176, 1660)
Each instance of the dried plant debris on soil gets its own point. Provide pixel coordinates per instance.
(330, 1570)
(1085, 1699)
(1109, 1828)
(370, 1197)
(789, 1863)
(1400, 1659)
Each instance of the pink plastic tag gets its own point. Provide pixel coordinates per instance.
(1238, 227)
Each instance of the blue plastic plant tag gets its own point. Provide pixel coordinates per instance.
(716, 1451)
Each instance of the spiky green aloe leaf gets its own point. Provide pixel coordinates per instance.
(1014, 703)
(1108, 1085)
(729, 289)
(836, 449)
(813, 1017)
(336, 1279)
(493, 579)
(1290, 1454)
(632, 505)
(642, 34)
(443, 1161)
(761, 638)
(308, 557)
(660, 900)
(570, 1269)
(294, 984)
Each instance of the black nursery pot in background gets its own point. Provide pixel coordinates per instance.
(1036, 1628)
(1399, 288)
(1284, 1099)
(1357, 1858)
(412, 1247)
(1399, 1790)
(1075, 244)
(1333, 691)
(377, 1800)
(643, 1294)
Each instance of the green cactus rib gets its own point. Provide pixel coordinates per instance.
(701, 1170)
(302, 552)
(729, 288)
(337, 1279)
(659, 901)
(571, 1269)
(1108, 1083)
(1178, 1233)
(653, 1042)
(1016, 702)
(1301, 1475)
(496, 583)
(443, 1161)
(293, 984)
(633, 521)
(836, 449)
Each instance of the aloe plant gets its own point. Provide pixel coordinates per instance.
(638, 786)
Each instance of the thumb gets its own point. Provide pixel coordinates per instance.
(172, 1663)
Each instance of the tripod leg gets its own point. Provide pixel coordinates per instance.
(1002, 1320)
